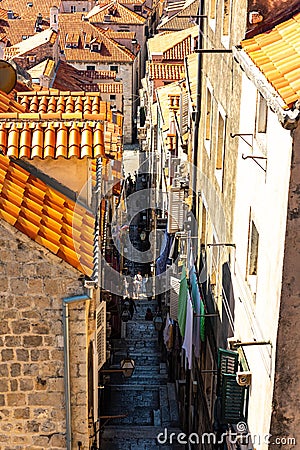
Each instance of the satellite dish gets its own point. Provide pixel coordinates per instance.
(8, 77)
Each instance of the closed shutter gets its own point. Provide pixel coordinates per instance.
(184, 112)
(174, 292)
(101, 334)
(227, 364)
(95, 382)
(176, 210)
(233, 400)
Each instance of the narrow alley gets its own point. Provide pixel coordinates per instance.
(147, 398)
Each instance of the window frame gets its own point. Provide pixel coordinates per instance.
(225, 34)
(112, 69)
(208, 141)
(220, 150)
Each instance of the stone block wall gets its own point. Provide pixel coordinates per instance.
(32, 405)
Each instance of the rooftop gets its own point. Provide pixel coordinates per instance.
(167, 72)
(277, 54)
(46, 216)
(76, 35)
(177, 47)
(117, 12)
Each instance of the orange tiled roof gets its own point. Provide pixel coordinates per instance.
(8, 105)
(84, 104)
(46, 216)
(30, 44)
(277, 55)
(121, 34)
(21, 8)
(54, 139)
(110, 51)
(118, 14)
(17, 28)
(168, 72)
(173, 47)
(181, 19)
(111, 88)
(68, 77)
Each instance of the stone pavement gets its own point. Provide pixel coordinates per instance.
(147, 398)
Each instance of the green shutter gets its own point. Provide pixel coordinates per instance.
(233, 399)
(227, 364)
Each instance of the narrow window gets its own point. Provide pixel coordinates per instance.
(203, 228)
(208, 118)
(226, 17)
(253, 249)
(112, 97)
(261, 114)
(73, 8)
(212, 9)
(220, 143)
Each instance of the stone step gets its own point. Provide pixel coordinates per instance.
(138, 438)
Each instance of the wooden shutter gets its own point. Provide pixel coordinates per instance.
(174, 292)
(95, 382)
(101, 333)
(176, 210)
(227, 364)
(184, 113)
(233, 400)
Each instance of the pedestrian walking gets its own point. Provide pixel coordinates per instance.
(138, 280)
(130, 286)
(132, 307)
(149, 315)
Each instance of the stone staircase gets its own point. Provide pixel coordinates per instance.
(147, 398)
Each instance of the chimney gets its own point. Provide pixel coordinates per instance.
(54, 18)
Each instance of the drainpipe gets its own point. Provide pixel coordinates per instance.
(66, 302)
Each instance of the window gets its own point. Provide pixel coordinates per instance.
(253, 249)
(137, 8)
(90, 67)
(261, 114)
(226, 22)
(252, 256)
(208, 119)
(220, 148)
(73, 8)
(114, 69)
(112, 97)
(95, 48)
(24, 37)
(212, 13)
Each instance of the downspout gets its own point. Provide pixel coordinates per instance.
(67, 382)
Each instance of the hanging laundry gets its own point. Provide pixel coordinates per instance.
(188, 337)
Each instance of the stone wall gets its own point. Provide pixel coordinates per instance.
(285, 422)
(32, 407)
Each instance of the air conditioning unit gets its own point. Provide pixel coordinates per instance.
(244, 378)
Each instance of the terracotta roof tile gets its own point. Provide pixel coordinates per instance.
(177, 22)
(46, 216)
(176, 46)
(88, 139)
(109, 50)
(8, 105)
(31, 43)
(277, 55)
(20, 8)
(111, 88)
(118, 14)
(167, 72)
